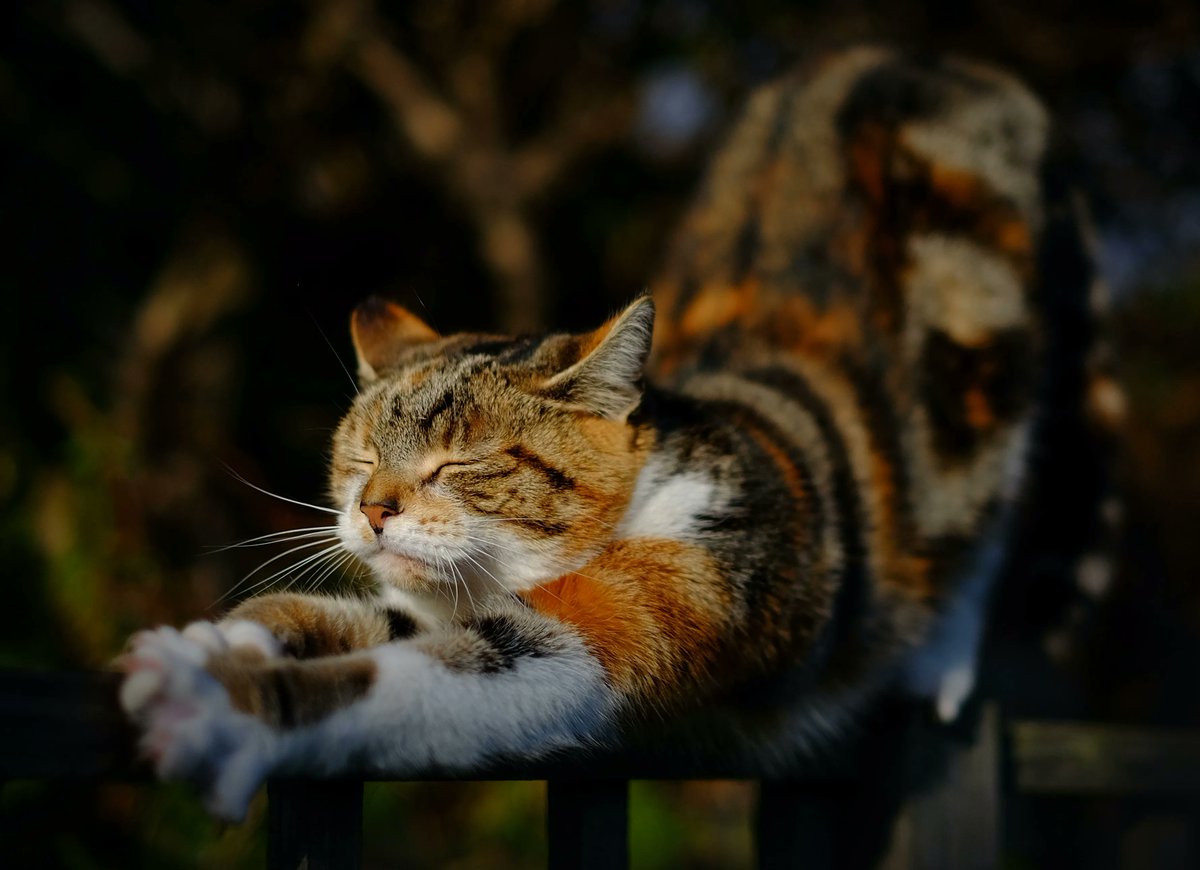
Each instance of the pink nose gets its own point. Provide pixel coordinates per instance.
(376, 513)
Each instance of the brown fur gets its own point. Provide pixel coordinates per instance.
(308, 630)
(290, 694)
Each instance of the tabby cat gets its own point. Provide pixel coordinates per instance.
(794, 498)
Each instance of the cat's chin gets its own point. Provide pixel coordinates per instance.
(402, 570)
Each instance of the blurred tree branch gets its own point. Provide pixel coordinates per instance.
(461, 134)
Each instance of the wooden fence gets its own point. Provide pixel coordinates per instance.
(908, 794)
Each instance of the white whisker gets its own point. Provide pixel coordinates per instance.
(507, 592)
(306, 565)
(491, 543)
(275, 558)
(487, 542)
(336, 355)
(454, 611)
(316, 569)
(279, 538)
(330, 571)
(466, 587)
(303, 504)
(307, 560)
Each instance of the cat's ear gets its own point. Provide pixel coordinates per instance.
(382, 331)
(606, 375)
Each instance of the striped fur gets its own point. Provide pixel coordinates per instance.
(823, 460)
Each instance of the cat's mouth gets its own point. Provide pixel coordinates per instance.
(410, 570)
(404, 560)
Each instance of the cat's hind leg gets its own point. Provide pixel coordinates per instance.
(943, 669)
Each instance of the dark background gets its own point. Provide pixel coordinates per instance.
(194, 196)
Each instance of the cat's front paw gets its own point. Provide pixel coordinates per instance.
(190, 729)
(234, 634)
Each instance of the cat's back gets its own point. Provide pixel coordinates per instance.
(865, 203)
(864, 255)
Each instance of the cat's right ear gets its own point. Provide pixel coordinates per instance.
(382, 331)
(606, 375)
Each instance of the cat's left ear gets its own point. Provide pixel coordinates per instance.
(606, 379)
(382, 331)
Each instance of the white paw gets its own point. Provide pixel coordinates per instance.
(953, 690)
(943, 676)
(190, 730)
(219, 637)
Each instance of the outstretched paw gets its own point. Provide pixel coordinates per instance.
(190, 730)
(221, 637)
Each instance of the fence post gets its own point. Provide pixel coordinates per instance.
(314, 824)
(957, 821)
(793, 825)
(587, 824)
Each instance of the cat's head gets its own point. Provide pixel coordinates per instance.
(487, 460)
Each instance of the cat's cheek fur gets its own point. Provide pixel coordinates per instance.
(353, 530)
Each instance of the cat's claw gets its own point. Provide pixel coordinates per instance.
(190, 730)
(219, 637)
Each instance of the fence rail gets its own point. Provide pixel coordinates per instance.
(68, 726)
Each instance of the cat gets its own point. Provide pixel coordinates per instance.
(747, 504)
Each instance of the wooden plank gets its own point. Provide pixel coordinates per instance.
(68, 725)
(956, 823)
(587, 824)
(1084, 758)
(314, 824)
(794, 825)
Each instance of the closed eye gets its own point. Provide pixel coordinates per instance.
(454, 462)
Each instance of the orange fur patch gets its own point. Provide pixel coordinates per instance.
(1013, 237)
(779, 456)
(958, 187)
(866, 159)
(964, 190)
(649, 611)
(799, 326)
(716, 307)
(978, 409)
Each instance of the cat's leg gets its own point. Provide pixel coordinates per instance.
(512, 683)
(309, 626)
(943, 669)
(637, 630)
(188, 690)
